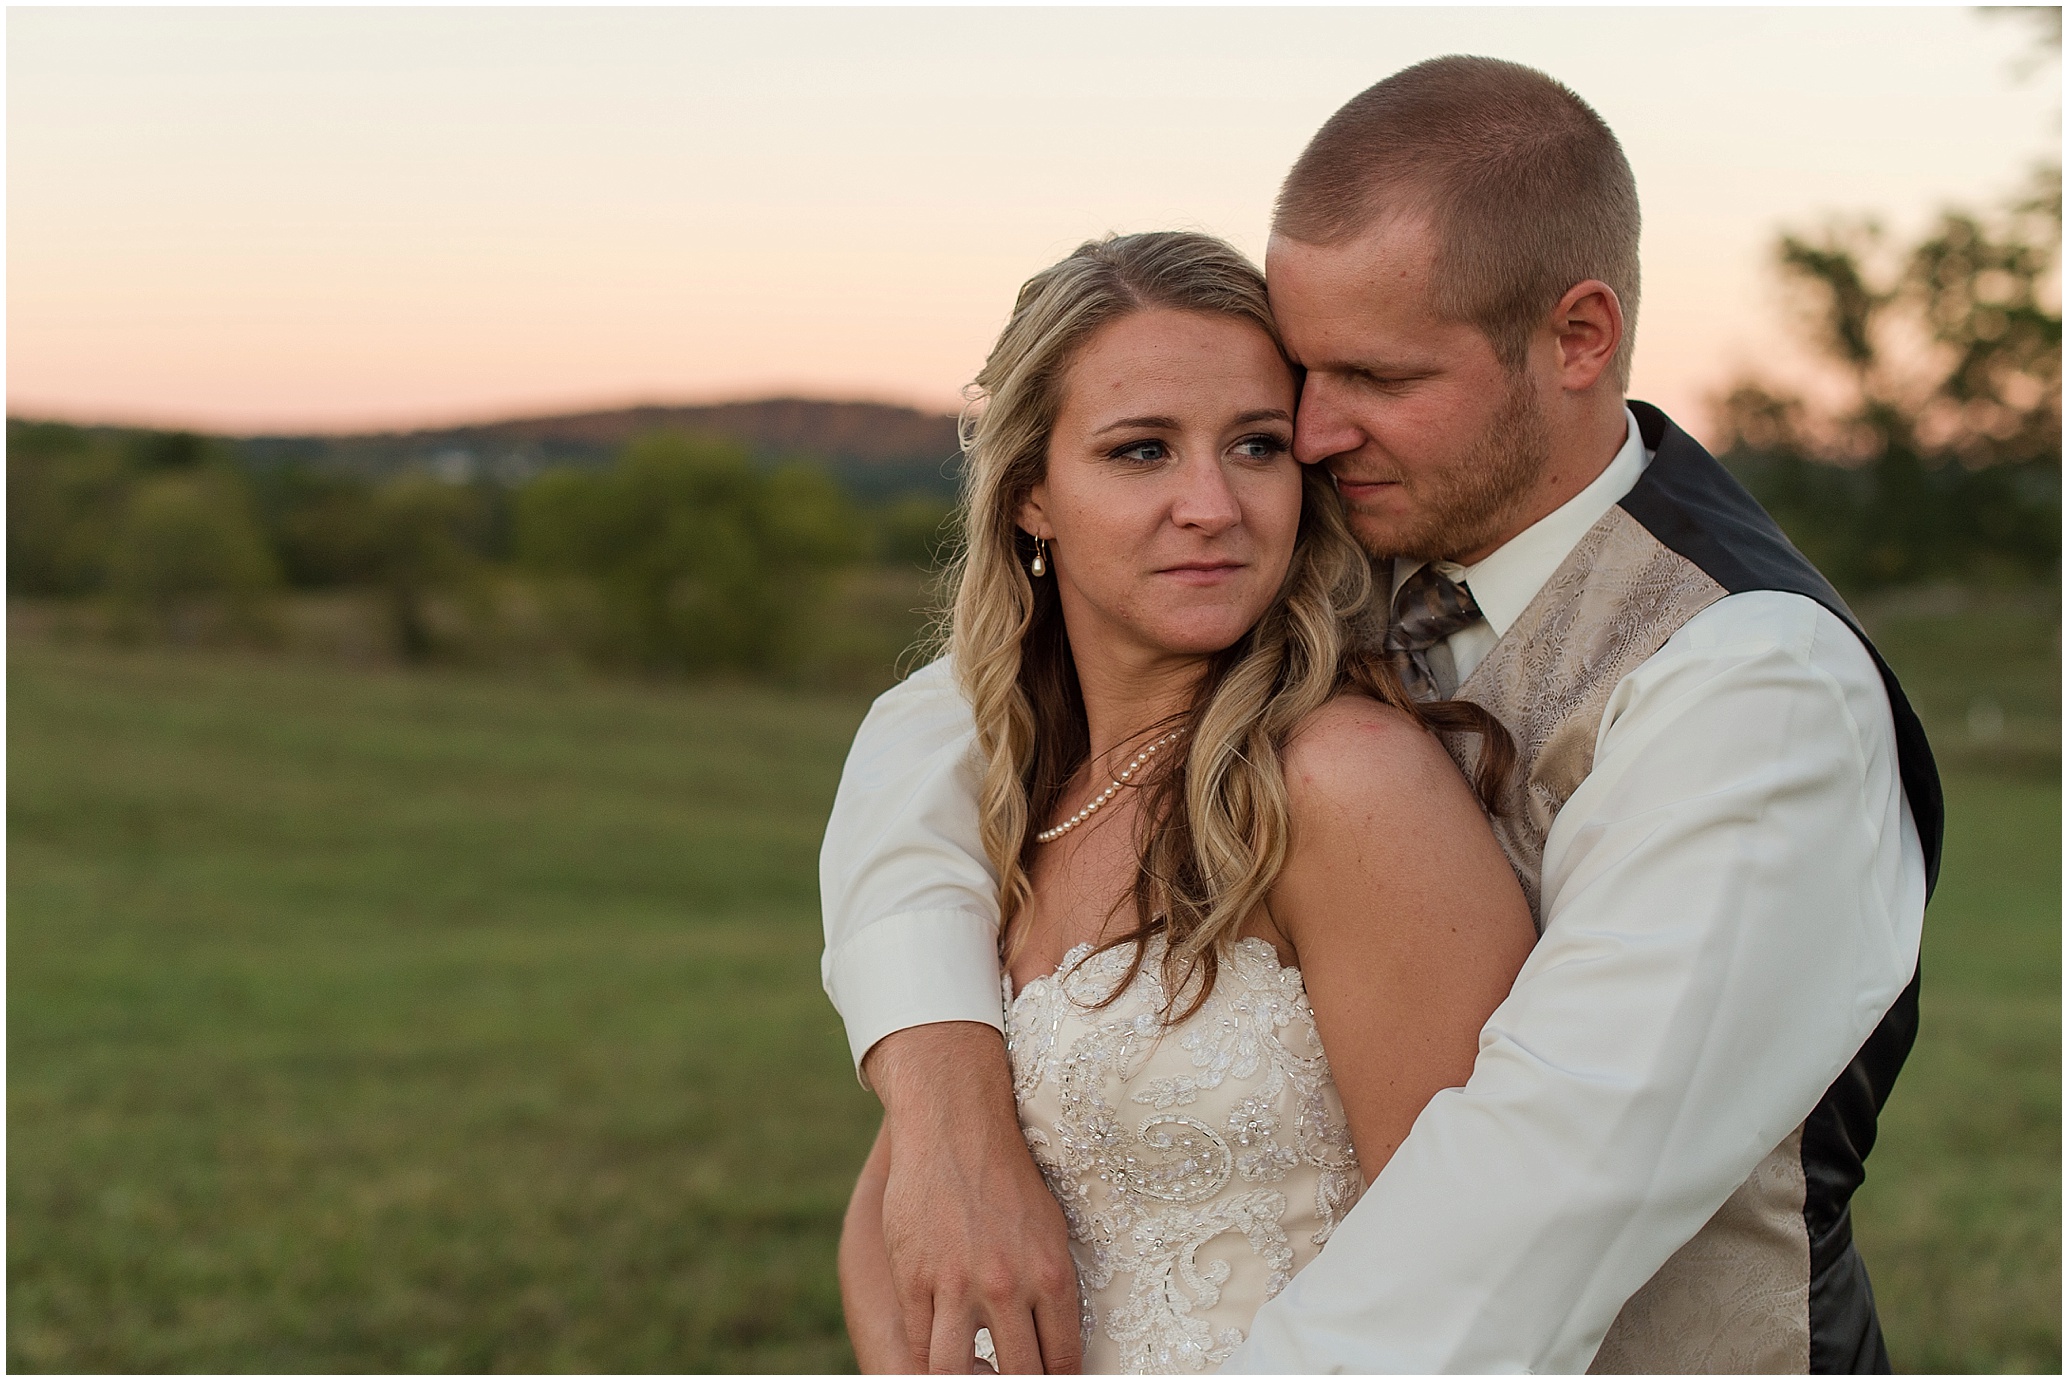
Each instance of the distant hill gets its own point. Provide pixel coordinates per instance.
(874, 449)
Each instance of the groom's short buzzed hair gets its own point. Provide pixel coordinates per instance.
(1525, 189)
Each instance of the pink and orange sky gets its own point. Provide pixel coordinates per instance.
(327, 219)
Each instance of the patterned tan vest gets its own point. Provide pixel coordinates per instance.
(1773, 1282)
(1736, 1298)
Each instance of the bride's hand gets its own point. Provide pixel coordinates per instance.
(975, 1239)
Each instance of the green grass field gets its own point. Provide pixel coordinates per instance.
(363, 1021)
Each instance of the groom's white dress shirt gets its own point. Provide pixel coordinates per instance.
(1732, 899)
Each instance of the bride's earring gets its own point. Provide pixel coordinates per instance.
(1040, 564)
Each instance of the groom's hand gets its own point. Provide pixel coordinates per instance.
(975, 1238)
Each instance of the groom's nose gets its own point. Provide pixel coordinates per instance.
(1323, 427)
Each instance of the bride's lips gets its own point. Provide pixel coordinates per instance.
(1201, 572)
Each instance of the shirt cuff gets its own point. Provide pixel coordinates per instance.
(914, 969)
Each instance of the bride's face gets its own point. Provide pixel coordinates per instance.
(1172, 500)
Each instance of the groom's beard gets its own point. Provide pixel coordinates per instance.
(1467, 506)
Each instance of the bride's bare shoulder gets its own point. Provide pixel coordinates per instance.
(1359, 754)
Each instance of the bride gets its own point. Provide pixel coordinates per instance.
(1226, 840)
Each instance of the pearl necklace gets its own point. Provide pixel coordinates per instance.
(1091, 808)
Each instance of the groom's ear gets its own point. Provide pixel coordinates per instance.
(1588, 322)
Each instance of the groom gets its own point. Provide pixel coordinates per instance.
(1724, 812)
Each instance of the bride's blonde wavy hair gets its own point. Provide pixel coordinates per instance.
(1212, 836)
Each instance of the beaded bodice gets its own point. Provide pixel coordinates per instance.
(1199, 1165)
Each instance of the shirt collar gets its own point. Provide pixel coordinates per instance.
(1505, 582)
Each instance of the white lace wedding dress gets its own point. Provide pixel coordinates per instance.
(1199, 1165)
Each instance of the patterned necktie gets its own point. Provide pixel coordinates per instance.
(1429, 608)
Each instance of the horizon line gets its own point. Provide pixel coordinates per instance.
(472, 420)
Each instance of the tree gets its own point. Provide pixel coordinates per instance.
(319, 522)
(419, 538)
(65, 493)
(1942, 453)
(917, 530)
(187, 538)
(1939, 451)
(701, 560)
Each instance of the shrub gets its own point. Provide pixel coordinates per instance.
(701, 560)
(184, 539)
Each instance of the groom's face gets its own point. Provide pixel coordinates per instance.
(1433, 442)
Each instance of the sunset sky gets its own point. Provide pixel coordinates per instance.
(323, 219)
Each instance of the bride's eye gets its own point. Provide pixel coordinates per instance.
(1262, 446)
(1145, 452)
